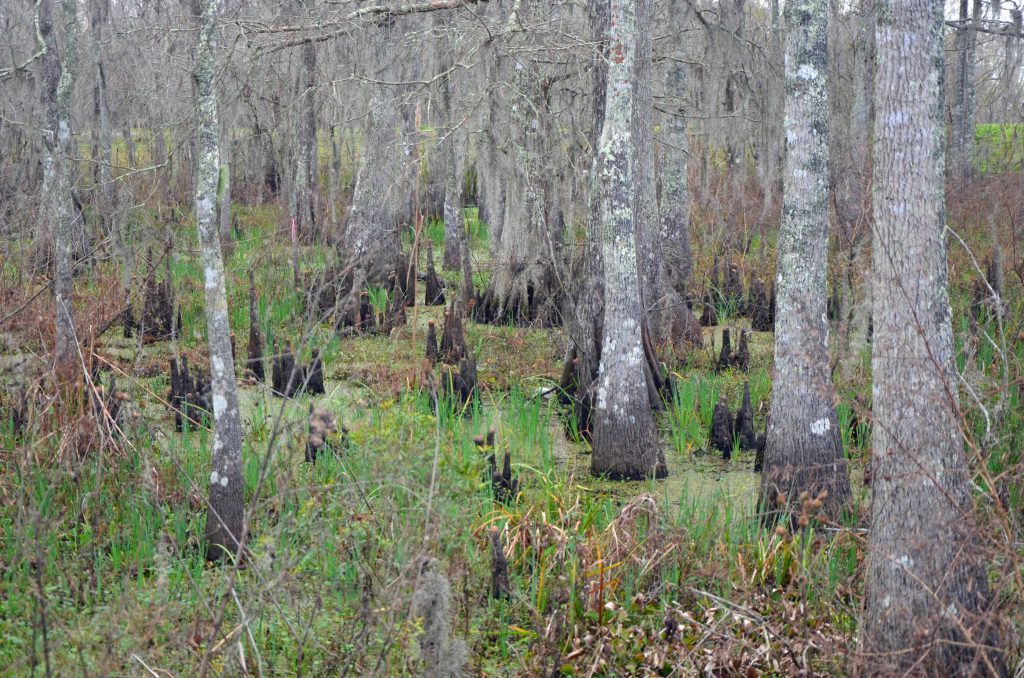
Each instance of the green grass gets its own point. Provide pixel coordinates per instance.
(999, 147)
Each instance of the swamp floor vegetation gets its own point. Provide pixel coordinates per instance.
(103, 573)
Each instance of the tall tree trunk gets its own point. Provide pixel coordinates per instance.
(625, 440)
(675, 258)
(494, 144)
(585, 306)
(522, 288)
(224, 197)
(928, 609)
(107, 207)
(225, 519)
(380, 200)
(304, 186)
(456, 241)
(774, 144)
(675, 191)
(58, 203)
(852, 199)
(334, 177)
(964, 99)
(455, 246)
(804, 450)
(645, 223)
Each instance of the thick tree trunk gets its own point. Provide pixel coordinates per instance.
(58, 202)
(381, 197)
(625, 440)
(928, 609)
(523, 287)
(492, 202)
(677, 322)
(456, 249)
(646, 219)
(667, 319)
(804, 450)
(675, 191)
(225, 519)
(585, 307)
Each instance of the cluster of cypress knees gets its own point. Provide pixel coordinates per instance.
(727, 358)
(725, 428)
(506, 491)
(459, 379)
(190, 397)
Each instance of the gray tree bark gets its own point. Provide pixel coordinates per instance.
(965, 97)
(304, 187)
(585, 307)
(646, 217)
(380, 200)
(456, 248)
(853, 201)
(804, 449)
(59, 70)
(107, 205)
(625, 440)
(334, 177)
(522, 289)
(225, 519)
(675, 190)
(492, 195)
(672, 316)
(928, 609)
(224, 197)
(962, 155)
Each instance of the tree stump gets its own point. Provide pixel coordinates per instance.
(286, 379)
(315, 375)
(128, 322)
(190, 395)
(712, 295)
(158, 305)
(762, 442)
(460, 384)
(733, 291)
